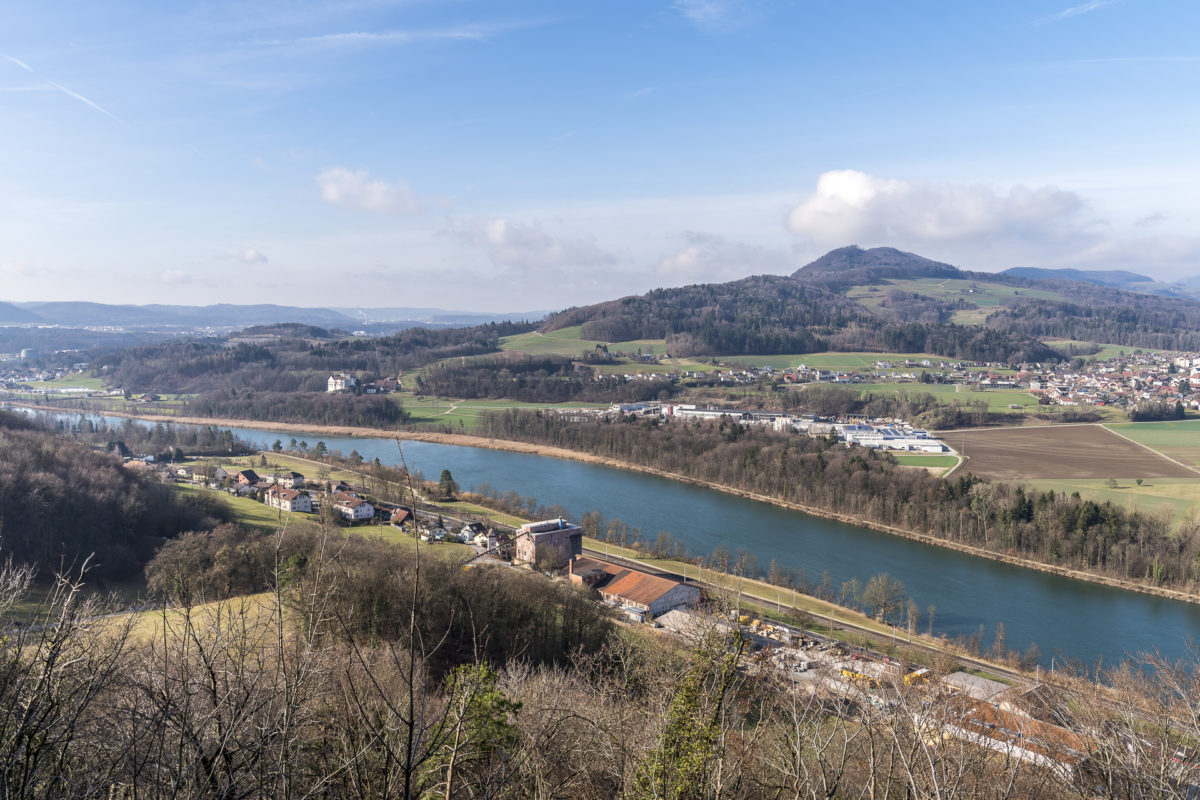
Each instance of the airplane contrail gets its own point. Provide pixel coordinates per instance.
(71, 94)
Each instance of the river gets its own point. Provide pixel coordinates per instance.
(1068, 619)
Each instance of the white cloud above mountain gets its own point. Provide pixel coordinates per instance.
(514, 244)
(707, 257)
(849, 205)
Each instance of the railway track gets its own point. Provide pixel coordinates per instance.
(1018, 678)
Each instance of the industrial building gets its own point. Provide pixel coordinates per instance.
(551, 543)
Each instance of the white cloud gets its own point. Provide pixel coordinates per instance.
(850, 206)
(1075, 11)
(705, 257)
(472, 32)
(512, 244)
(357, 189)
(252, 256)
(718, 16)
(1164, 257)
(175, 276)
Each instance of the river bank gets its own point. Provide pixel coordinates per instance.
(466, 440)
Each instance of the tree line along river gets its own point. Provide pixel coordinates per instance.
(1067, 618)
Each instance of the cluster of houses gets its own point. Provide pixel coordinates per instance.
(288, 491)
(1124, 382)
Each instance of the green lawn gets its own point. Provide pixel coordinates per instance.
(457, 507)
(1176, 497)
(465, 413)
(279, 462)
(926, 460)
(1177, 439)
(250, 513)
(1106, 351)
(80, 380)
(946, 393)
(567, 342)
(984, 295)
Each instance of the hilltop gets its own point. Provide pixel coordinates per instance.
(858, 265)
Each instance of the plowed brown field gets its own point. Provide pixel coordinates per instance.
(1062, 451)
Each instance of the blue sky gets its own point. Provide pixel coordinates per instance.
(534, 155)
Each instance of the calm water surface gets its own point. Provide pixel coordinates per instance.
(1066, 618)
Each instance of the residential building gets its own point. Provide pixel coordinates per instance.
(246, 477)
(340, 382)
(354, 509)
(287, 499)
(288, 480)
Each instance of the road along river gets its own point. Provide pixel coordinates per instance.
(1067, 618)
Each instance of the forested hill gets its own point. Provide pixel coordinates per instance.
(61, 501)
(779, 314)
(761, 314)
(884, 299)
(288, 358)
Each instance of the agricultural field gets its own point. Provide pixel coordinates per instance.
(839, 361)
(567, 342)
(76, 380)
(997, 399)
(464, 414)
(1176, 497)
(1177, 439)
(1106, 351)
(1059, 452)
(983, 295)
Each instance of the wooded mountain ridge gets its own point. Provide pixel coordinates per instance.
(884, 299)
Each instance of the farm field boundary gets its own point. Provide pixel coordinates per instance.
(1060, 452)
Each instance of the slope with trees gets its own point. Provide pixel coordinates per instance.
(62, 502)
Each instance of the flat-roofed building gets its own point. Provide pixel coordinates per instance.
(552, 542)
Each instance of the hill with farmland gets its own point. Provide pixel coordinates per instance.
(886, 300)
